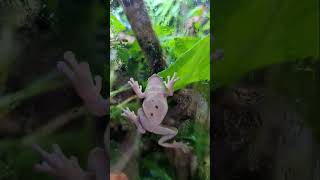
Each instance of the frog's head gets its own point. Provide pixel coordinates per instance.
(155, 107)
(155, 81)
(155, 78)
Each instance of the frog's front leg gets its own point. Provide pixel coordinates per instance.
(167, 134)
(136, 88)
(170, 83)
(133, 118)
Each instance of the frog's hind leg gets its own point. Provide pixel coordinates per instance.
(169, 133)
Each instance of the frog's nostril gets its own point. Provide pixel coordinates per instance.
(151, 114)
(156, 107)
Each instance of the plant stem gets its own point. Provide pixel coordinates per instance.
(54, 124)
(40, 86)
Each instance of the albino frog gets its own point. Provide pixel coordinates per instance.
(154, 109)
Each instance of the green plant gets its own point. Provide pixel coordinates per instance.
(256, 34)
(186, 53)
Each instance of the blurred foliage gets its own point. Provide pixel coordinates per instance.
(38, 87)
(255, 34)
(35, 34)
(280, 35)
(279, 42)
(154, 166)
(7, 167)
(17, 160)
(298, 84)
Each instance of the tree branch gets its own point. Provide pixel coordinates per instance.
(139, 20)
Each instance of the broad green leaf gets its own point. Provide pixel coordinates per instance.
(163, 31)
(258, 33)
(116, 25)
(178, 45)
(192, 66)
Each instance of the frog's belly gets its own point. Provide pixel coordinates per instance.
(146, 123)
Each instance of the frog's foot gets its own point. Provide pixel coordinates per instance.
(170, 83)
(136, 88)
(133, 118)
(185, 148)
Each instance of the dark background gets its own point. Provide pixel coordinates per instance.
(37, 103)
(266, 90)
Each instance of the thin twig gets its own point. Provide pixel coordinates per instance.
(121, 89)
(54, 124)
(43, 85)
(127, 101)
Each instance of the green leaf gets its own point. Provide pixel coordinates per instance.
(176, 46)
(192, 66)
(155, 166)
(116, 25)
(258, 33)
(163, 31)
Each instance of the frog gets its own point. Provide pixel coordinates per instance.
(154, 108)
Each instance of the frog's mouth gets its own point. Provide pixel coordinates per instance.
(155, 108)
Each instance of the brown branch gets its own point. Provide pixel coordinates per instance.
(139, 20)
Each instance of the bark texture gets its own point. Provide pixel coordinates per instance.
(141, 25)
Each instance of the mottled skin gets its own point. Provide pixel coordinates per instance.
(154, 109)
